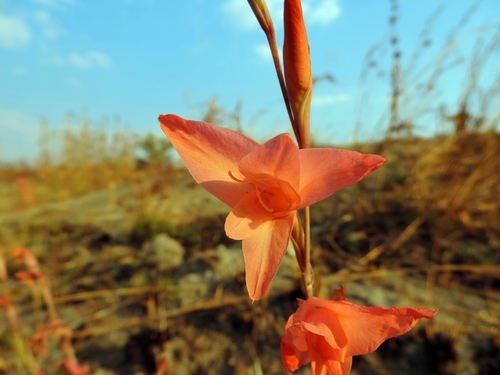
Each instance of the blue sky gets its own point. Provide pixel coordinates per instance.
(136, 59)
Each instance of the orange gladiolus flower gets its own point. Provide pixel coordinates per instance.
(264, 184)
(329, 333)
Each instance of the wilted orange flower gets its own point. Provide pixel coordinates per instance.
(26, 192)
(3, 267)
(74, 368)
(264, 184)
(21, 254)
(11, 313)
(329, 333)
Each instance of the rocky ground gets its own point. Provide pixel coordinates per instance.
(144, 271)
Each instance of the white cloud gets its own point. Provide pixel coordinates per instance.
(18, 71)
(14, 32)
(58, 60)
(240, 14)
(75, 82)
(88, 60)
(18, 121)
(320, 12)
(53, 3)
(324, 100)
(18, 135)
(50, 28)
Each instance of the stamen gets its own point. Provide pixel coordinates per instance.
(266, 207)
(234, 178)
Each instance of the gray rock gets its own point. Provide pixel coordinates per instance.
(167, 252)
(194, 289)
(230, 262)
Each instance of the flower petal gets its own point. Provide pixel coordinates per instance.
(245, 217)
(278, 158)
(290, 353)
(324, 171)
(210, 153)
(346, 366)
(324, 322)
(263, 253)
(292, 357)
(367, 327)
(381, 324)
(318, 360)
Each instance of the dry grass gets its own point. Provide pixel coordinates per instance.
(432, 211)
(90, 160)
(80, 159)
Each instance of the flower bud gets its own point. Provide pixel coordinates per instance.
(297, 63)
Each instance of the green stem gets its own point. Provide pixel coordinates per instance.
(26, 358)
(302, 245)
(307, 274)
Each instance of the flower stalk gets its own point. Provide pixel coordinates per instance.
(267, 185)
(261, 11)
